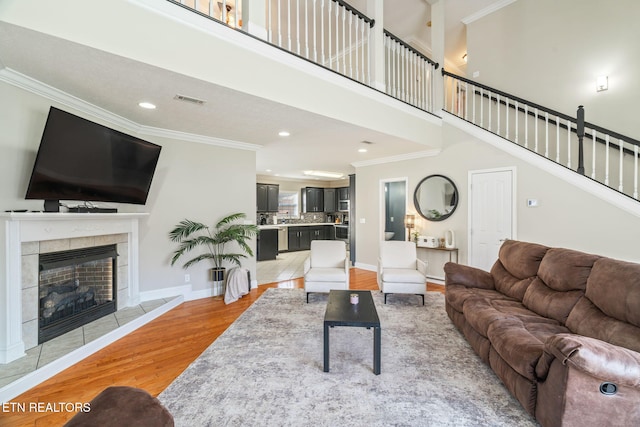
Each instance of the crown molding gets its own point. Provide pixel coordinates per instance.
(29, 84)
(398, 158)
(486, 11)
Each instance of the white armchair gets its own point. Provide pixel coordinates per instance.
(399, 269)
(327, 267)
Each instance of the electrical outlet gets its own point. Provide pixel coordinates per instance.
(187, 278)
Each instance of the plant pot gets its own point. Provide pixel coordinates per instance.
(217, 274)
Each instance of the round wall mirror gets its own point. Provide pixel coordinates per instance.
(436, 197)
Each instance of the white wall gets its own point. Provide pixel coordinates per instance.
(196, 181)
(550, 52)
(567, 216)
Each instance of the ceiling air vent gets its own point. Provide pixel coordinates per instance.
(190, 99)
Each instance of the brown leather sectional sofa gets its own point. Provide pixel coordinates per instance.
(560, 328)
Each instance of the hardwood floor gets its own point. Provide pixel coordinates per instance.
(152, 356)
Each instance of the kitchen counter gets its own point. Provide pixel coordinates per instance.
(306, 224)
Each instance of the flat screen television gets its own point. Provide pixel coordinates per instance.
(84, 161)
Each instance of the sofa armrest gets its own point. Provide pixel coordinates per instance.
(422, 267)
(470, 277)
(346, 268)
(596, 358)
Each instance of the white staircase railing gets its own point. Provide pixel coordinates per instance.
(328, 32)
(409, 75)
(597, 153)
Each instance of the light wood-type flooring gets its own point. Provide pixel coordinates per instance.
(152, 356)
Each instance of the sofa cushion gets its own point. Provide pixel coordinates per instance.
(621, 301)
(402, 275)
(610, 309)
(562, 279)
(549, 303)
(326, 275)
(482, 312)
(588, 320)
(566, 269)
(508, 284)
(328, 253)
(457, 295)
(520, 341)
(398, 254)
(521, 259)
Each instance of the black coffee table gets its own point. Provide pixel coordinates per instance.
(340, 312)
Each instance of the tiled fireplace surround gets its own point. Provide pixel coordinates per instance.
(29, 234)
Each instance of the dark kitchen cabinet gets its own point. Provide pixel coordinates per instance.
(312, 199)
(299, 238)
(267, 247)
(267, 197)
(343, 193)
(322, 232)
(330, 200)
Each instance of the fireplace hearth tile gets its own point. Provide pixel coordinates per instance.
(148, 306)
(59, 346)
(20, 367)
(128, 314)
(100, 327)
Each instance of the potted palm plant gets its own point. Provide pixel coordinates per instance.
(212, 242)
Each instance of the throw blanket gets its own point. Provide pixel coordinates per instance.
(237, 285)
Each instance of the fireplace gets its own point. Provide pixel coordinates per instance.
(75, 287)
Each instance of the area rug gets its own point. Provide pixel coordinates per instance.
(266, 369)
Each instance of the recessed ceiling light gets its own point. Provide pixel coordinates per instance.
(147, 105)
(362, 150)
(283, 133)
(269, 170)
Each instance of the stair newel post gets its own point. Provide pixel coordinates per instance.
(580, 133)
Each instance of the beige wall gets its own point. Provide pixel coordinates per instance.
(566, 216)
(196, 181)
(550, 52)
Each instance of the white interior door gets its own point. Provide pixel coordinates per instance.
(491, 214)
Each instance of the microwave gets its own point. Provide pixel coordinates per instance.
(343, 206)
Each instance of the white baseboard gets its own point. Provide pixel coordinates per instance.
(366, 266)
(38, 376)
(156, 294)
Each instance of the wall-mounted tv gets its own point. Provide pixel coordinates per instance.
(84, 161)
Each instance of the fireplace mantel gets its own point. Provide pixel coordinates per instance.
(19, 228)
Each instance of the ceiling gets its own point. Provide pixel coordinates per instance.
(117, 84)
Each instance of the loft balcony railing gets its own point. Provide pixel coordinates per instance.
(336, 36)
(598, 153)
(328, 32)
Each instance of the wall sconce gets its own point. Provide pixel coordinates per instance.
(464, 58)
(409, 223)
(602, 83)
